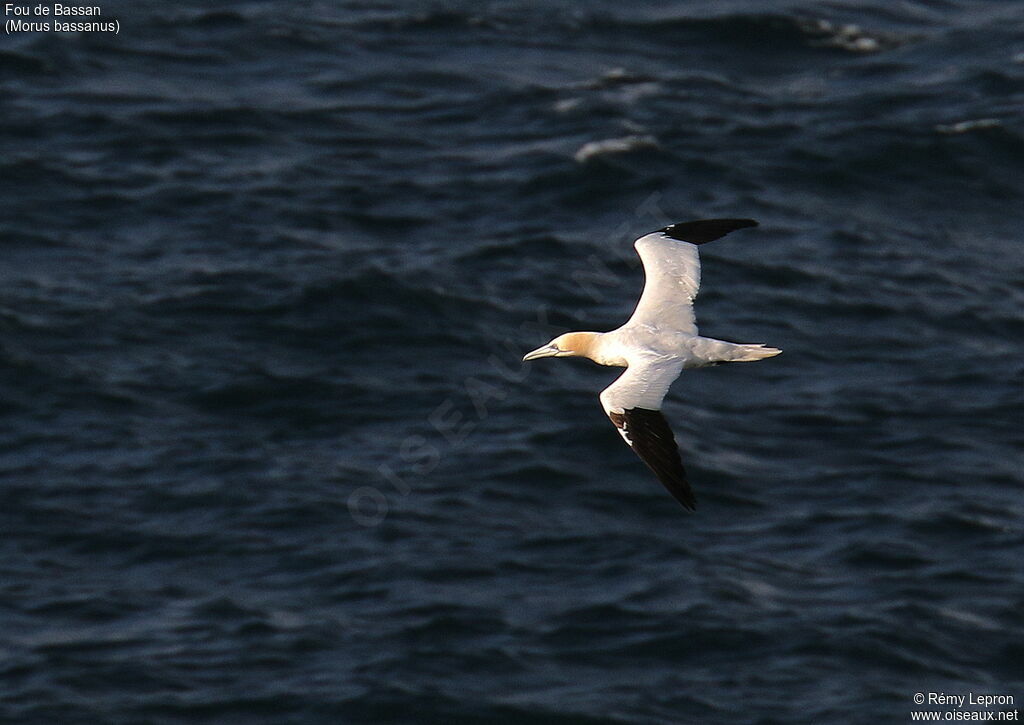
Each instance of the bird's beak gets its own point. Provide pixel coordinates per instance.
(548, 350)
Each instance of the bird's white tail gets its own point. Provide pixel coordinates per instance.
(749, 353)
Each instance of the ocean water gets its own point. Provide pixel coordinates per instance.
(268, 451)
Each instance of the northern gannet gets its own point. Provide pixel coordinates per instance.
(658, 342)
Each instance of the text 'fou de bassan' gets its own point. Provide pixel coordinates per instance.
(35, 18)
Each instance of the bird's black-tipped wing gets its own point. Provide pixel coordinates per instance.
(672, 271)
(648, 434)
(705, 230)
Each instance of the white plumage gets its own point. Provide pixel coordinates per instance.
(658, 341)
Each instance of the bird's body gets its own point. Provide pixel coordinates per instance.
(658, 341)
(637, 344)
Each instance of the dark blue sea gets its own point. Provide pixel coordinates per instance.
(268, 453)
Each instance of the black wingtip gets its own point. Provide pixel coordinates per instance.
(705, 230)
(651, 438)
(690, 503)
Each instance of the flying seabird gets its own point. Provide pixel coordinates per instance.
(658, 342)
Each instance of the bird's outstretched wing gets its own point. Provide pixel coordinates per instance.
(672, 271)
(633, 403)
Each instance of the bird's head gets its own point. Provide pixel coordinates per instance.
(571, 344)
